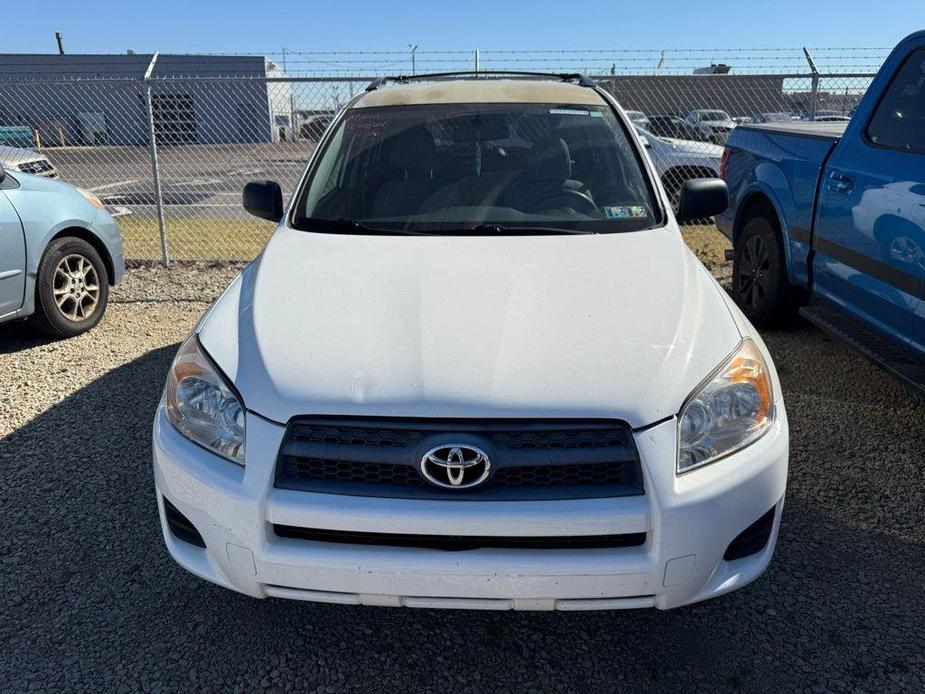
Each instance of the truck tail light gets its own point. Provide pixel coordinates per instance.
(723, 162)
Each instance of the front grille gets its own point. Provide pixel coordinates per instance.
(531, 459)
(350, 471)
(560, 475)
(460, 542)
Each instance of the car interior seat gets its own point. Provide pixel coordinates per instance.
(410, 174)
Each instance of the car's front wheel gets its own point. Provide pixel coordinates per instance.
(72, 288)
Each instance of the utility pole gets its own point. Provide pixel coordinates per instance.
(292, 124)
(60, 39)
(814, 94)
(413, 49)
(155, 168)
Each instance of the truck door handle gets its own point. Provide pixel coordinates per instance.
(840, 182)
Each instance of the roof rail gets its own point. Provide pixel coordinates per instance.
(579, 79)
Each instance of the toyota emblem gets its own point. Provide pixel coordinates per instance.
(455, 466)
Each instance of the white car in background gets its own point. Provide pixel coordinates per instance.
(638, 118)
(713, 123)
(26, 161)
(678, 161)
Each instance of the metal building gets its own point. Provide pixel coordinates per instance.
(101, 99)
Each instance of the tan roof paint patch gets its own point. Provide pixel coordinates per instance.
(463, 91)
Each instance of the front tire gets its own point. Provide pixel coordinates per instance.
(72, 288)
(759, 275)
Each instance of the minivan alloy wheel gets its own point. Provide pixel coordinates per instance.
(76, 287)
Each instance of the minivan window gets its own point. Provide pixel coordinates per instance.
(900, 117)
(465, 168)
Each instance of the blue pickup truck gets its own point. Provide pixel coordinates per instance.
(828, 219)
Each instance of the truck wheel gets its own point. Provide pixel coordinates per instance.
(759, 275)
(72, 288)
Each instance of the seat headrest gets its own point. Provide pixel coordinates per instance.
(549, 160)
(414, 149)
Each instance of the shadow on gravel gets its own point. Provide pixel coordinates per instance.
(17, 336)
(92, 602)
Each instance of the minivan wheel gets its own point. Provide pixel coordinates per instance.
(72, 288)
(759, 275)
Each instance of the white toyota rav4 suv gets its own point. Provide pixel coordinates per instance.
(475, 367)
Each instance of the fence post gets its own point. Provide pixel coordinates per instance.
(155, 170)
(814, 94)
(477, 61)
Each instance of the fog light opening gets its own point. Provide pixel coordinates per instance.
(181, 527)
(753, 539)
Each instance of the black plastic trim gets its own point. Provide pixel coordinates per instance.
(456, 543)
(753, 539)
(408, 438)
(882, 349)
(180, 526)
(580, 79)
(904, 281)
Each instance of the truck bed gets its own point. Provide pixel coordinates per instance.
(788, 158)
(829, 130)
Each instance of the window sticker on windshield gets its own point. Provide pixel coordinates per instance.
(626, 211)
(569, 112)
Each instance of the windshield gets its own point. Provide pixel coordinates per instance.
(714, 115)
(471, 168)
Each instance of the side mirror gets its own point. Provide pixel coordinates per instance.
(702, 198)
(264, 199)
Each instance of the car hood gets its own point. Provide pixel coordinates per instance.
(612, 325)
(11, 156)
(44, 184)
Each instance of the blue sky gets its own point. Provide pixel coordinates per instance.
(109, 26)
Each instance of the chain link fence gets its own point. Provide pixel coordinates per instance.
(170, 155)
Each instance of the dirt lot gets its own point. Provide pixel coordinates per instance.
(92, 602)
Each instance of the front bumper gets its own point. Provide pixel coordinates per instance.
(689, 522)
(106, 228)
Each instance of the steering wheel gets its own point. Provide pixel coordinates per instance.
(577, 200)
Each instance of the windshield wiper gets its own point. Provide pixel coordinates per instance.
(504, 229)
(353, 226)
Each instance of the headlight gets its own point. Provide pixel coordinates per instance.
(91, 198)
(201, 405)
(730, 410)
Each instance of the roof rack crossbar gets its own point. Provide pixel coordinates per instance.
(578, 78)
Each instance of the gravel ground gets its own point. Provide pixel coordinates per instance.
(92, 601)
